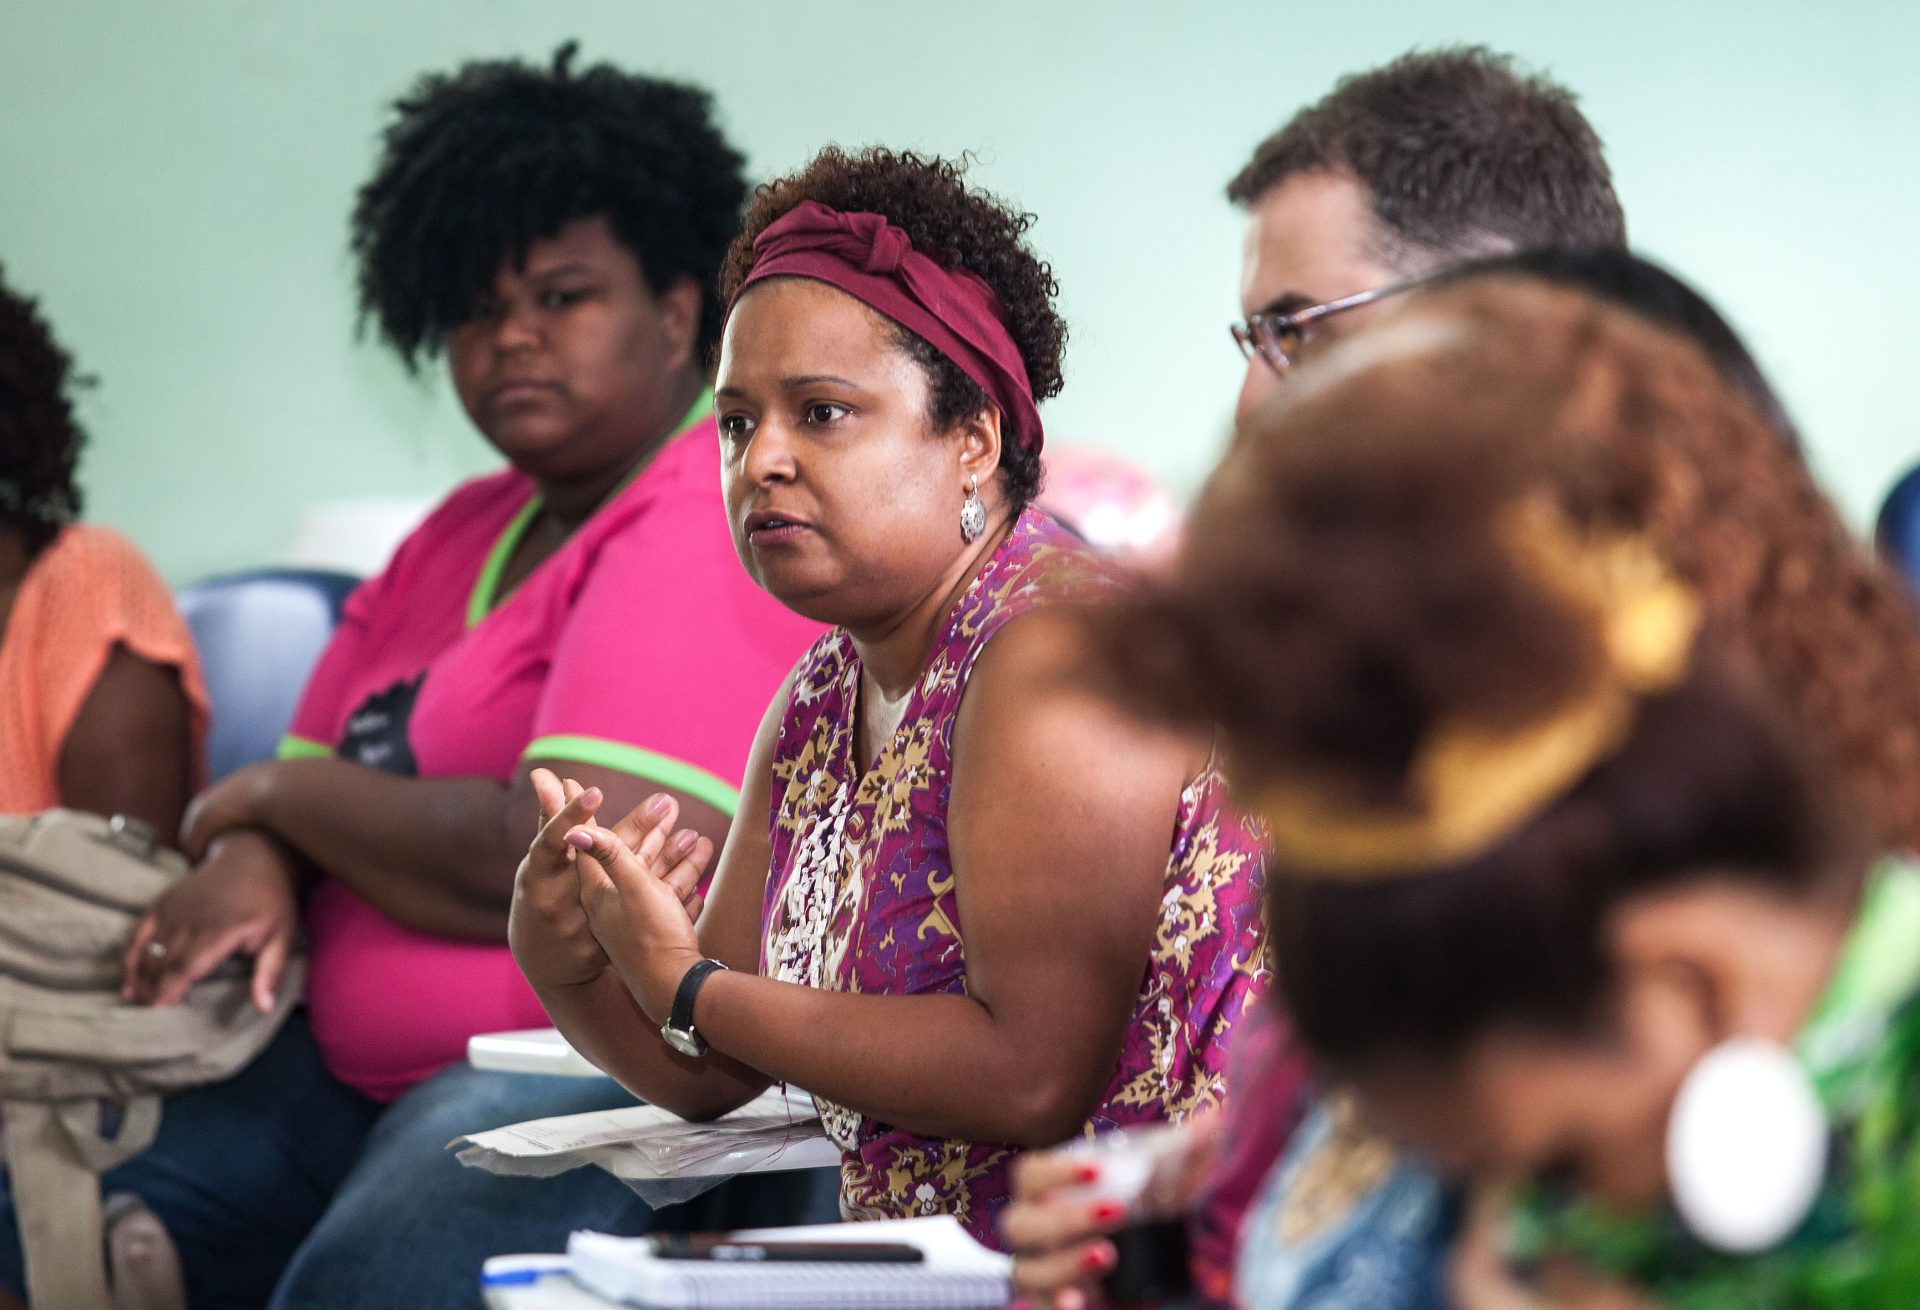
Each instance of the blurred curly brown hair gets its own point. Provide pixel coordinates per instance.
(957, 225)
(1321, 640)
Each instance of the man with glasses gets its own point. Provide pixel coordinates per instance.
(1397, 173)
(1436, 157)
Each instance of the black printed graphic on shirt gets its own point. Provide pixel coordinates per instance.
(376, 732)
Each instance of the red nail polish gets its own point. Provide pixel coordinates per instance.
(1109, 1212)
(1096, 1260)
(1089, 1173)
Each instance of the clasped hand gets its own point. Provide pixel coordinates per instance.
(588, 898)
(242, 899)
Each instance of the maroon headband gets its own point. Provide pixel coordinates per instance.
(874, 262)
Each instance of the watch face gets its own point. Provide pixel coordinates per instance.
(682, 1041)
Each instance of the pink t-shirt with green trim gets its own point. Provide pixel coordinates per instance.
(641, 645)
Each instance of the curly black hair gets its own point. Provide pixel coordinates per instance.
(40, 439)
(1462, 152)
(961, 226)
(481, 163)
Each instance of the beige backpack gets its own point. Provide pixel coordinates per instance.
(72, 887)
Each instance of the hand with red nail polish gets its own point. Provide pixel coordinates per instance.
(1097, 1258)
(1056, 1227)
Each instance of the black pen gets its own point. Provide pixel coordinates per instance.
(719, 1247)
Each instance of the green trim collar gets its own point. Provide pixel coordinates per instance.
(484, 597)
(480, 602)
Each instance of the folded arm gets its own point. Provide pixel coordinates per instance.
(436, 854)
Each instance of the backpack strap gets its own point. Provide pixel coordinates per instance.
(80, 1120)
(102, 1031)
(56, 1196)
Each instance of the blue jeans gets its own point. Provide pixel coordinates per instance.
(411, 1224)
(283, 1162)
(239, 1172)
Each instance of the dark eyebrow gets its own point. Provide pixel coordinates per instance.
(1290, 303)
(797, 383)
(559, 270)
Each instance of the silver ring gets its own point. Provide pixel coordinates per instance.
(157, 950)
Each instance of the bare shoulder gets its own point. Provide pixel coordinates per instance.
(1047, 643)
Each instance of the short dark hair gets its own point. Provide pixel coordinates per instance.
(1461, 152)
(928, 198)
(480, 163)
(40, 439)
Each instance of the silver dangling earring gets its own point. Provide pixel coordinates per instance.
(973, 514)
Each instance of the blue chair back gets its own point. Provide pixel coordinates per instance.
(1897, 529)
(259, 634)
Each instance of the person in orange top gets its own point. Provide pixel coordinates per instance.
(101, 702)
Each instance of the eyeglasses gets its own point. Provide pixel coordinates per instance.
(1277, 338)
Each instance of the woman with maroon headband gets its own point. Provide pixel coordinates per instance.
(968, 905)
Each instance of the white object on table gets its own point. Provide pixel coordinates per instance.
(954, 1273)
(958, 1271)
(530, 1050)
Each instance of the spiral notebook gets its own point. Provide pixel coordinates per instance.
(956, 1274)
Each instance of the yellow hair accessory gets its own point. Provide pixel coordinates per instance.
(1470, 785)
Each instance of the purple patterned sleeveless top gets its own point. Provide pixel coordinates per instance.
(860, 894)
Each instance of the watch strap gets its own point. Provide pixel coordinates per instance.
(689, 990)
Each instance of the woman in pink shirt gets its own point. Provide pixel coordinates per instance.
(556, 233)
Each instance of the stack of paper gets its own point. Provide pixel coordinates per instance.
(642, 1143)
(957, 1273)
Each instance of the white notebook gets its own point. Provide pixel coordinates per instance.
(957, 1273)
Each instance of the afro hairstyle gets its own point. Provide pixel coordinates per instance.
(481, 163)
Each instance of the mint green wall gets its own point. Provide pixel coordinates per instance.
(175, 174)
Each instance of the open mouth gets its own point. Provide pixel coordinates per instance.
(768, 527)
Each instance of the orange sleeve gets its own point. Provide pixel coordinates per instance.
(91, 590)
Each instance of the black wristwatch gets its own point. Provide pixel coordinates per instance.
(678, 1031)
